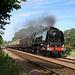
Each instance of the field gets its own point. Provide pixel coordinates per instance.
(72, 53)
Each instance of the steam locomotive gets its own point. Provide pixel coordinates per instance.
(49, 42)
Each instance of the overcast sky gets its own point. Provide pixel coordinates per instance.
(63, 10)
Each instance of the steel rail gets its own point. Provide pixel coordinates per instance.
(42, 67)
(51, 62)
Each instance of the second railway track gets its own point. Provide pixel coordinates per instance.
(67, 60)
(55, 68)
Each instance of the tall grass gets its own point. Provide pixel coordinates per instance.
(8, 66)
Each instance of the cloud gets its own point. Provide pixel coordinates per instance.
(25, 14)
(37, 3)
(14, 26)
(69, 16)
(71, 10)
(8, 35)
(70, 2)
(19, 15)
(32, 3)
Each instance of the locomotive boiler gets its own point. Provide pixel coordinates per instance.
(48, 42)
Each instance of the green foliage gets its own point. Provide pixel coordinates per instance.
(6, 7)
(8, 66)
(73, 45)
(1, 32)
(1, 40)
(68, 50)
(69, 36)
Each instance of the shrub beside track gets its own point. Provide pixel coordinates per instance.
(8, 66)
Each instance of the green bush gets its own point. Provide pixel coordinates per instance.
(68, 50)
(73, 44)
(8, 66)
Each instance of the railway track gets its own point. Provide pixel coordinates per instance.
(47, 70)
(54, 68)
(67, 60)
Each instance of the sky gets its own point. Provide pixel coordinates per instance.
(63, 10)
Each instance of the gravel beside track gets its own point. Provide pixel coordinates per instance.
(49, 63)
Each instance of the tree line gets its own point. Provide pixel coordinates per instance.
(69, 36)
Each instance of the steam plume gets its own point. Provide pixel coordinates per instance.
(42, 20)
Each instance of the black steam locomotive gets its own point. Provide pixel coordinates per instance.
(48, 42)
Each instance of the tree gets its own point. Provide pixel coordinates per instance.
(73, 44)
(69, 36)
(1, 32)
(68, 50)
(1, 40)
(6, 7)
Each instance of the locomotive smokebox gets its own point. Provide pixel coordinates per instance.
(53, 34)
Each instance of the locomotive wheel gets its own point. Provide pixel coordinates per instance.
(32, 51)
(44, 53)
(38, 52)
(59, 55)
(20, 49)
(51, 54)
(48, 54)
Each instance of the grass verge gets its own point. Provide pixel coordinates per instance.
(72, 53)
(8, 66)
